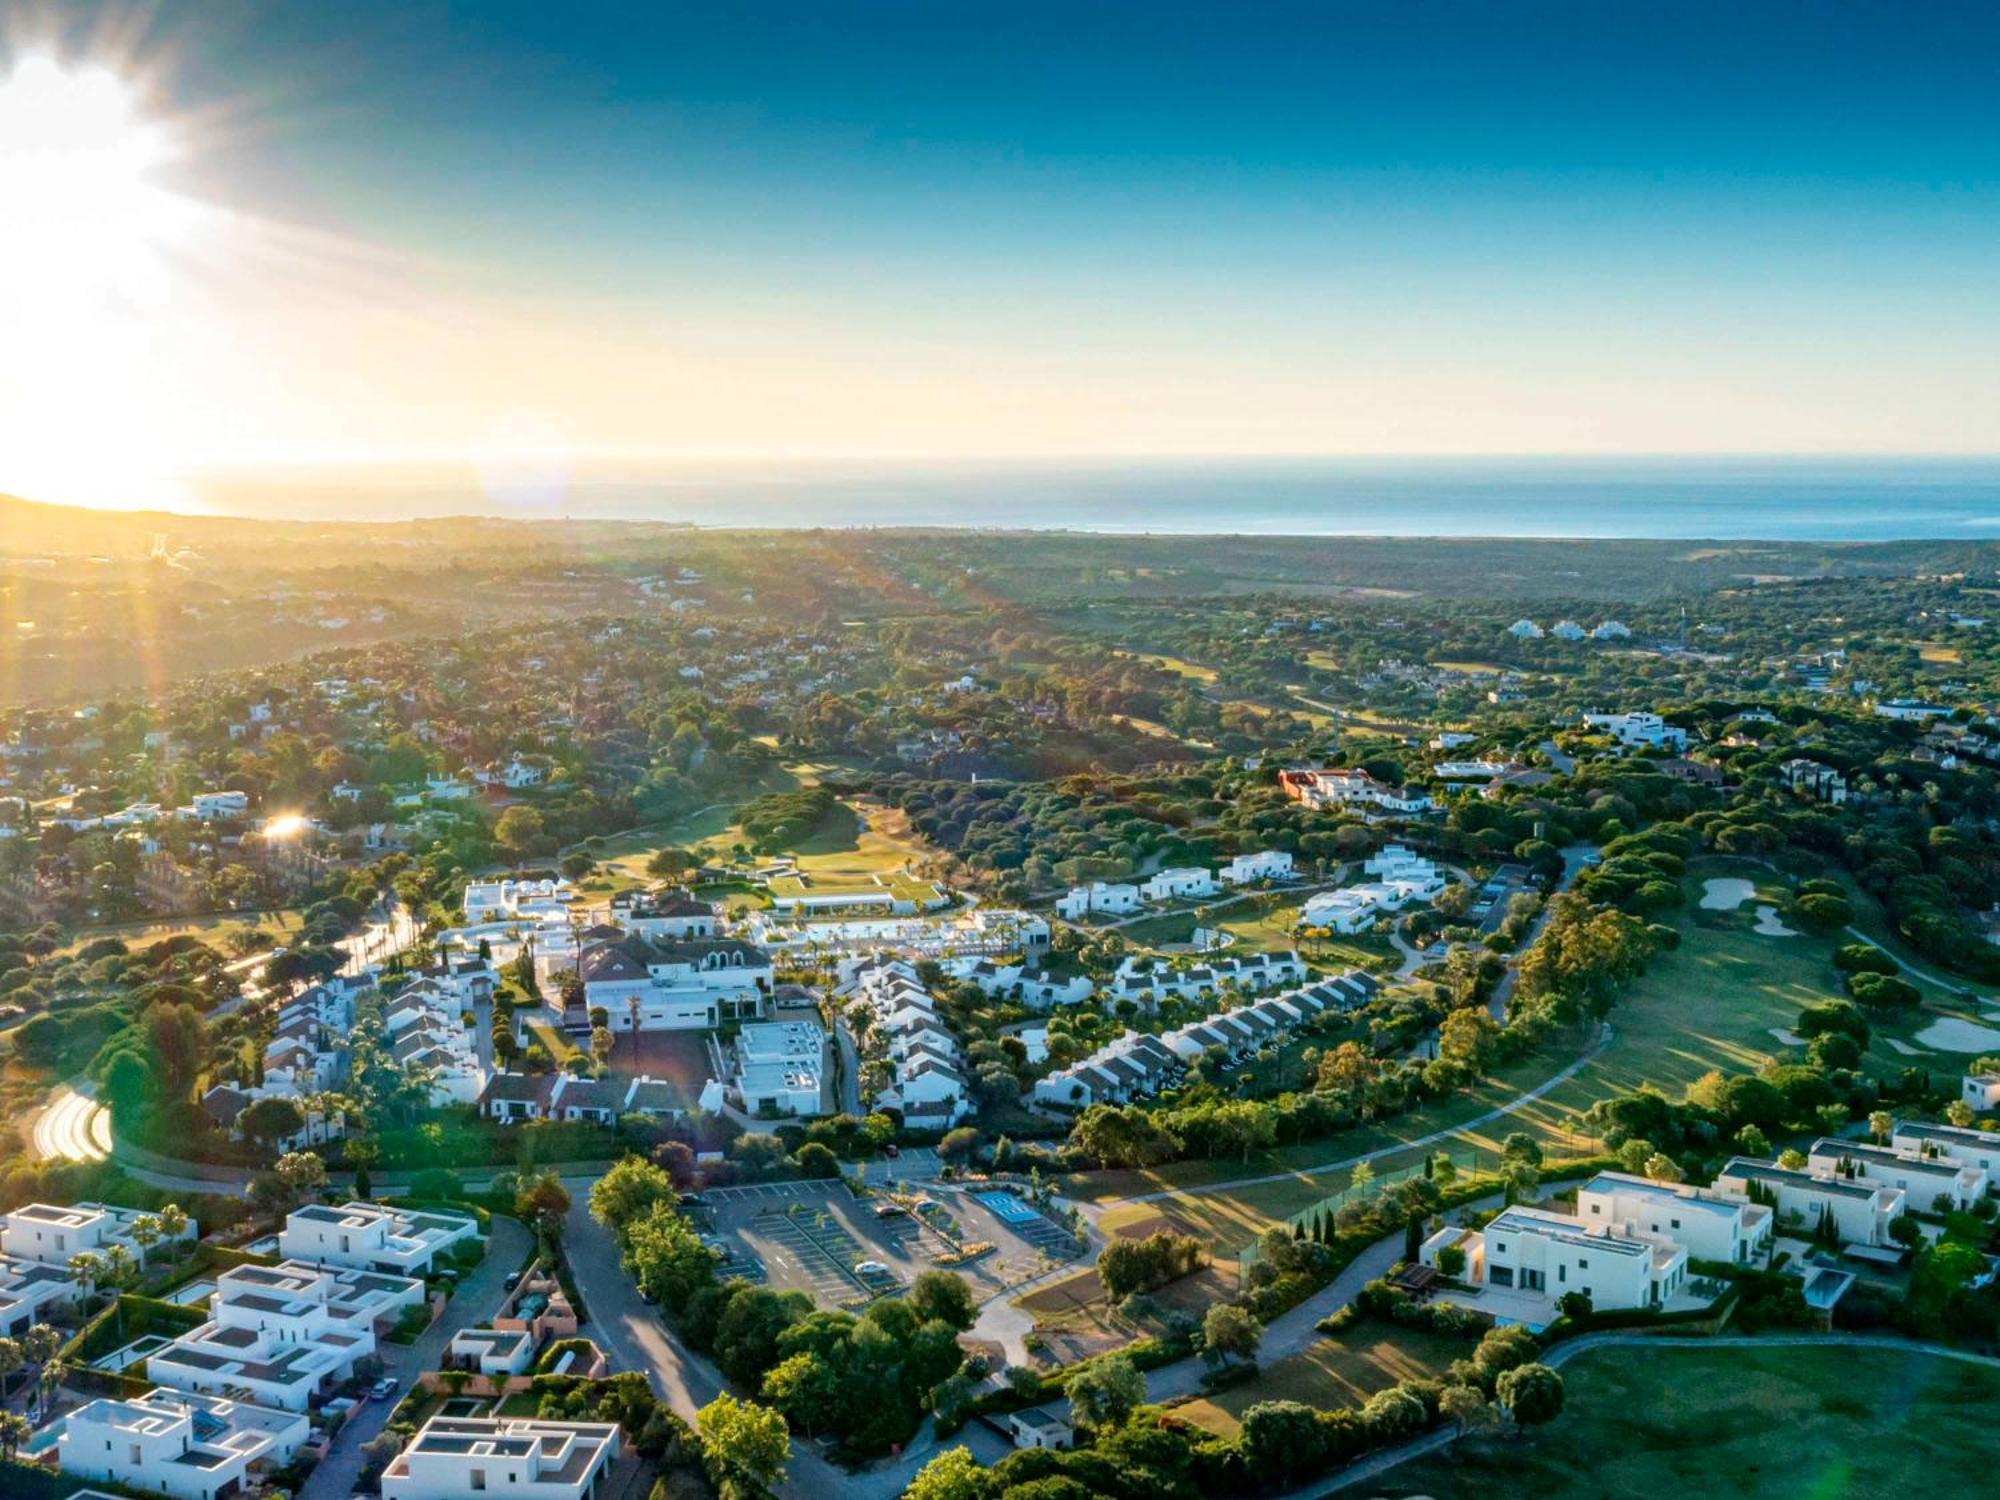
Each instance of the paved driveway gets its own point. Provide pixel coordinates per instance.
(479, 1297)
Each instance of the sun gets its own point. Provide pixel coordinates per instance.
(85, 218)
(91, 241)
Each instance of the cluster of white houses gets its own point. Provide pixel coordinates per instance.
(1135, 1065)
(909, 1042)
(1180, 884)
(1402, 878)
(232, 1395)
(1350, 789)
(1151, 980)
(1629, 1240)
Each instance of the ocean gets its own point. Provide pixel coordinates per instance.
(1846, 499)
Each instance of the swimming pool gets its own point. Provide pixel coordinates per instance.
(1008, 1207)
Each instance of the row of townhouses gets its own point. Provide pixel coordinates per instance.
(1147, 980)
(927, 1081)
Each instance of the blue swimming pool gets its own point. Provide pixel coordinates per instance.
(1008, 1207)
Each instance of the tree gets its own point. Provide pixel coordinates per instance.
(267, 1121)
(1105, 1393)
(744, 1446)
(541, 1201)
(1880, 1124)
(300, 1173)
(1959, 1113)
(1466, 1406)
(601, 1044)
(942, 1295)
(959, 1146)
(520, 832)
(816, 1161)
(15, 1430)
(13, 1360)
(629, 1189)
(1531, 1394)
(1228, 1332)
(1663, 1168)
(953, 1475)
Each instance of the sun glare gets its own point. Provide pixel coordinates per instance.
(84, 217)
(87, 240)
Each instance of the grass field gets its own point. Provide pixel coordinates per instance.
(1751, 1424)
(1342, 1370)
(1194, 671)
(216, 930)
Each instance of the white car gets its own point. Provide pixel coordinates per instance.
(870, 1268)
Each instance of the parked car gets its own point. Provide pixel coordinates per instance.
(892, 1150)
(513, 1280)
(889, 1210)
(870, 1268)
(382, 1390)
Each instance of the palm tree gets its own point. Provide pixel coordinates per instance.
(173, 1221)
(15, 1430)
(13, 1360)
(145, 1233)
(88, 1269)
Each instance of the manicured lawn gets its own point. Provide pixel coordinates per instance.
(215, 930)
(561, 1048)
(1760, 1424)
(1344, 1370)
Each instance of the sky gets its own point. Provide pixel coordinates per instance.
(513, 234)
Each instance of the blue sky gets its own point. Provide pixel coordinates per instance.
(936, 228)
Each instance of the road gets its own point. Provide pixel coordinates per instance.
(391, 932)
(1576, 859)
(74, 1127)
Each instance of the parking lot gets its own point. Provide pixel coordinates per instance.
(816, 1236)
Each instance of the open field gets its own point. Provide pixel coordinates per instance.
(216, 929)
(1194, 671)
(1342, 1370)
(1759, 1424)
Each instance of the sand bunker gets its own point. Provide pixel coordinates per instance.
(1787, 1038)
(1903, 1047)
(1725, 893)
(1769, 925)
(1959, 1036)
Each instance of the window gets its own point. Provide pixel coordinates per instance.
(479, 1479)
(1675, 1222)
(1500, 1275)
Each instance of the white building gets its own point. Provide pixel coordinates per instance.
(367, 1237)
(1906, 708)
(1350, 788)
(1188, 884)
(494, 1352)
(1611, 630)
(31, 1293)
(1981, 1091)
(665, 914)
(1927, 1182)
(1041, 1427)
(1098, 896)
(453, 1457)
(680, 985)
(514, 900)
(1145, 979)
(1525, 630)
(1266, 864)
(1709, 1225)
(1129, 1067)
(1405, 878)
(1639, 728)
(50, 1234)
(1542, 1255)
(778, 1068)
(214, 807)
(1567, 630)
(1015, 981)
(282, 1336)
(192, 1447)
(1859, 1212)
(1979, 1149)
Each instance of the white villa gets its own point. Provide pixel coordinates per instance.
(1926, 1181)
(517, 900)
(1981, 1091)
(1350, 788)
(1404, 878)
(29, 1292)
(1979, 1149)
(681, 985)
(1860, 1212)
(1266, 864)
(1189, 883)
(177, 1443)
(1526, 1258)
(452, 1457)
(1639, 728)
(1710, 1225)
(282, 1336)
(1098, 896)
(367, 1237)
(50, 1235)
(778, 1068)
